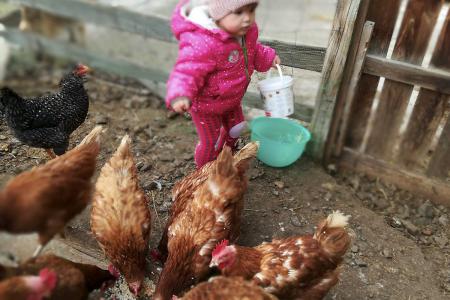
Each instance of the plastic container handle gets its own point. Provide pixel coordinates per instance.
(280, 72)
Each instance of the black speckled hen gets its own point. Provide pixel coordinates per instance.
(47, 121)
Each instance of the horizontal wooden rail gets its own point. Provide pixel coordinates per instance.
(433, 79)
(118, 66)
(155, 27)
(435, 189)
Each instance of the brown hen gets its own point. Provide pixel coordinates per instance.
(120, 218)
(29, 287)
(75, 280)
(229, 288)
(212, 215)
(304, 267)
(183, 191)
(45, 198)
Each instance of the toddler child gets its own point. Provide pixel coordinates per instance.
(218, 52)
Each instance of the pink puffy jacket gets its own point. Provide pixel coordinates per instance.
(211, 69)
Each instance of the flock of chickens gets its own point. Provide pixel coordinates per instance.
(198, 241)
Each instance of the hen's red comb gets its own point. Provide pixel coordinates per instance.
(219, 247)
(49, 278)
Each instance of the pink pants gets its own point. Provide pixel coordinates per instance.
(214, 131)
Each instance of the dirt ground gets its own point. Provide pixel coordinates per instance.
(401, 250)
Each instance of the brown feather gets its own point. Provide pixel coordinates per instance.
(205, 220)
(46, 197)
(232, 288)
(120, 218)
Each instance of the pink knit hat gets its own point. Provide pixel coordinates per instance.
(220, 8)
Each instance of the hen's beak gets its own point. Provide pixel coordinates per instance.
(135, 287)
(213, 263)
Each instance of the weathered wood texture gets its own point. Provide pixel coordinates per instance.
(336, 57)
(356, 75)
(383, 13)
(429, 111)
(440, 162)
(120, 66)
(436, 190)
(415, 32)
(341, 102)
(433, 79)
(297, 56)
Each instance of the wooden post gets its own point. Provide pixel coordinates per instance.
(356, 75)
(335, 59)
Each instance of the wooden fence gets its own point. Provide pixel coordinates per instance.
(153, 27)
(391, 118)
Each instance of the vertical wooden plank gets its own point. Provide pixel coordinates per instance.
(334, 133)
(415, 32)
(440, 162)
(335, 59)
(425, 119)
(353, 82)
(384, 14)
(428, 112)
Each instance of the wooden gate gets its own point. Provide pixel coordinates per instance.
(394, 122)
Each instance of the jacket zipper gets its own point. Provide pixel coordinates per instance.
(244, 49)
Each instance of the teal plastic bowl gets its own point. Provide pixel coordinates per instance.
(282, 141)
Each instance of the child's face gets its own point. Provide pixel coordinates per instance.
(238, 22)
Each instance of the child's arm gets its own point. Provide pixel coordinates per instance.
(195, 61)
(265, 57)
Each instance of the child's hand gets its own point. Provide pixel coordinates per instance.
(181, 105)
(276, 61)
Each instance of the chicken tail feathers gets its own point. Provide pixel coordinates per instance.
(124, 147)
(7, 95)
(333, 236)
(243, 157)
(93, 138)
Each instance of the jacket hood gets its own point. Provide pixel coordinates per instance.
(187, 18)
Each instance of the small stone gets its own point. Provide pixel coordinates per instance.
(442, 241)
(387, 253)
(427, 231)
(15, 152)
(394, 222)
(295, 221)
(279, 184)
(443, 220)
(153, 185)
(187, 156)
(426, 210)
(380, 202)
(2, 137)
(355, 249)
(354, 182)
(425, 241)
(360, 263)
(171, 115)
(329, 186)
(410, 227)
(148, 131)
(145, 167)
(101, 120)
(332, 169)
(275, 193)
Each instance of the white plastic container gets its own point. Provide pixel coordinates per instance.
(278, 94)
